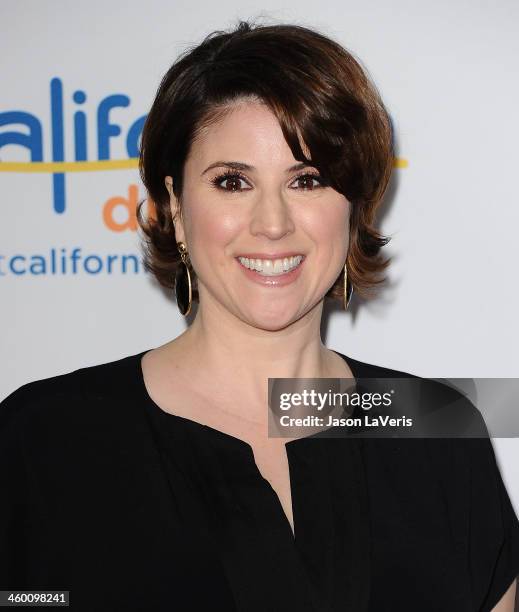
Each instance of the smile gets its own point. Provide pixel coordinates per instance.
(271, 267)
(273, 272)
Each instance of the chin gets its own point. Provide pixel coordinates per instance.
(272, 321)
(273, 327)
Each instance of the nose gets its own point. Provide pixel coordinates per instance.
(271, 217)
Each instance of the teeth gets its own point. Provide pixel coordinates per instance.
(271, 267)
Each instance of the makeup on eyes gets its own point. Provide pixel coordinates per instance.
(234, 174)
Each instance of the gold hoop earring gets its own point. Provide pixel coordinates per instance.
(183, 289)
(348, 288)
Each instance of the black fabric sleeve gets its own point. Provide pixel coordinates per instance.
(13, 487)
(494, 537)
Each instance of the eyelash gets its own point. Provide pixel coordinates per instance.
(228, 174)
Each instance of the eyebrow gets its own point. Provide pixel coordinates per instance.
(236, 165)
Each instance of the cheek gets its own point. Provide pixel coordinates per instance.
(210, 231)
(329, 226)
(220, 227)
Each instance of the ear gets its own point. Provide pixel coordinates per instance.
(176, 211)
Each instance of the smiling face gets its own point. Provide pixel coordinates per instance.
(259, 207)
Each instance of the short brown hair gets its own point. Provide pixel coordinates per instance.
(316, 89)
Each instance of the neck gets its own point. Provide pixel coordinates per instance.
(237, 358)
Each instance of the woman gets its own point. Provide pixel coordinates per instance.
(150, 483)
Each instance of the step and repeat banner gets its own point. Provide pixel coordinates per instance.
(77, 82)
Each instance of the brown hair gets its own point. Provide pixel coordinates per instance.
(317, 91)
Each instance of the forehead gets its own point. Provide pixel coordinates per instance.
(249, 132)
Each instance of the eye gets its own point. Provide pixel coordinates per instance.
(232, 180)
(306, 181)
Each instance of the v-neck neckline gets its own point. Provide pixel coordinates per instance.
(329, 506)
(240, 444)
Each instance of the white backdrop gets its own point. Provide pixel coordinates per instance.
(447, 71)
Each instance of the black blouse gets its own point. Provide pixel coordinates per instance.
(131, 508)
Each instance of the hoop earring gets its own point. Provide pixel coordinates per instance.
(348, 289)
(183, 289)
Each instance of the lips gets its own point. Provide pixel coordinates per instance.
(273, 279)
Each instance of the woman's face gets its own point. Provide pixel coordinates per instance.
(263, 209)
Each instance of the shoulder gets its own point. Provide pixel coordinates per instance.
(438, 407)
(66, 395)
(362, 369)
(462, 462)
